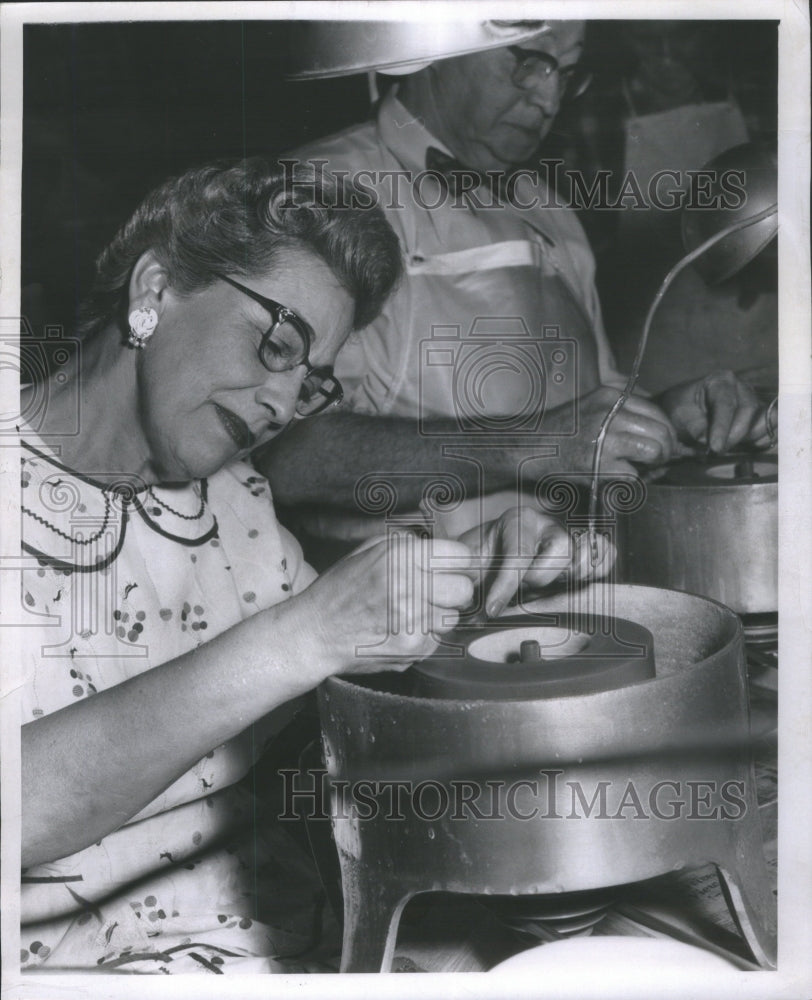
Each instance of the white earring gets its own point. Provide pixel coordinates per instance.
(143, 322)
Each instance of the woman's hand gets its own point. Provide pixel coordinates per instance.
(381, 607)
(524, 546)
(384, 605)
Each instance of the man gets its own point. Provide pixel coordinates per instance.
(494, 342)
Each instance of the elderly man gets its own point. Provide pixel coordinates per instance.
(494, 341)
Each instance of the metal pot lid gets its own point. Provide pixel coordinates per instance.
(324, 49)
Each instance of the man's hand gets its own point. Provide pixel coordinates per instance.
(718, 411)
(640, 432)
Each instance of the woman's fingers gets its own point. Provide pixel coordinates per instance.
(509, 551)
(553, 553)
(450, 590)
(431, 582)
(585, 563)
(382, 606)
(526, 545)
(443, 620)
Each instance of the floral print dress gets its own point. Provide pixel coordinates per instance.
(115, 584)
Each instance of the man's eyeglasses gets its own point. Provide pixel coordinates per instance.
(531, 66)
(285, 345)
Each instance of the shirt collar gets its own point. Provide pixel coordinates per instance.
(404, 135)
(407, 139)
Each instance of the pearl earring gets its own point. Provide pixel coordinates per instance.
(143, 322)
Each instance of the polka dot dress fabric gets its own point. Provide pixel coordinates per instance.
(197, 881)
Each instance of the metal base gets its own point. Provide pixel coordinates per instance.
(687, 727)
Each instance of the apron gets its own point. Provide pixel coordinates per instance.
(521, 345)
(510, 344)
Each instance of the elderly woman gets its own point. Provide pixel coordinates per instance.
(177, 618)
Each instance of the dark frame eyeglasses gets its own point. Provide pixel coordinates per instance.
(320, 387)
(531, 64)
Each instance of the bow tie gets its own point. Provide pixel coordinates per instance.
(452, 171)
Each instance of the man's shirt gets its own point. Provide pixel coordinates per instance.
(483, 273)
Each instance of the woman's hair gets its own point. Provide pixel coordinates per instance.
(242, 219)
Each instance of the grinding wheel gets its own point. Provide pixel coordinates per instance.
(530, 656)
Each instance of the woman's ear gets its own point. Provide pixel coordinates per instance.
(148, 283)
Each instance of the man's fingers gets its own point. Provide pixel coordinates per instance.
(638, 406)
(761, 434)
(634, 447)
(744, 420)
(721, 404)
(733, 411)
(642, 434)
(645, 407)
(653, 431)
(613, 466)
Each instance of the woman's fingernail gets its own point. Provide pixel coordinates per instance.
(495, 608)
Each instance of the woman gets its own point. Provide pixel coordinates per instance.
(179, 620)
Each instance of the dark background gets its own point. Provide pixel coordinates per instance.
(112, 109)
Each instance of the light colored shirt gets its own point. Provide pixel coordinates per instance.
(463, 263)
(497, 319)
(193, 882)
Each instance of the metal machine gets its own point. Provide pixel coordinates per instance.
(565, 793)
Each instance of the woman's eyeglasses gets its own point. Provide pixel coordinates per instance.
(285, 345)
(531, 66)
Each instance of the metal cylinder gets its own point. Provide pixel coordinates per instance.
(711, 529)
(556, 794)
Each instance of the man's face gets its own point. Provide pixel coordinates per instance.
(483, 117)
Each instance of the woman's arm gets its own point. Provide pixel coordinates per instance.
(90, 767)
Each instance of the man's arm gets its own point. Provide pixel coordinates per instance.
(319, 461)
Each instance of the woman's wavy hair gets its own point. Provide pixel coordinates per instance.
(241, 219)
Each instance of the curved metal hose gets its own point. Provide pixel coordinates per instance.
(689, 258)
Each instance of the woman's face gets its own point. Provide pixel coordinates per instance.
(205, 396)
